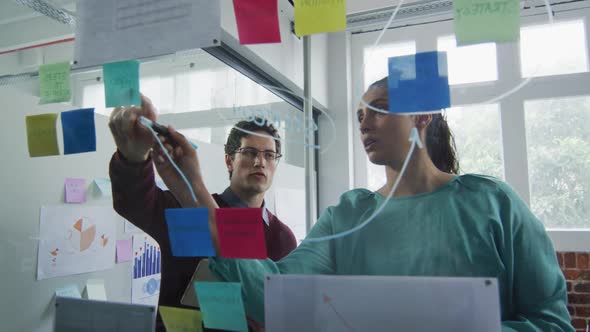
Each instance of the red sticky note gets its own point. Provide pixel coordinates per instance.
(258, 21)
(241, 233)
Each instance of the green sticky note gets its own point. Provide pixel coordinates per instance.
(480, 21)
(54, 83)
(181, 320)
(121, 83)
(41, 135)
(315, 16)
(221, 305)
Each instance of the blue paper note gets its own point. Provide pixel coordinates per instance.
(68, 291)
(104, 187)
(419, 83)
(221, 305)
(189, 233)
(121, 83)
(78, 130)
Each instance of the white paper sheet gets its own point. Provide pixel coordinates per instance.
(145, 282)
(95, 290)
(76, 240)
(290, 209)
(115, 30)
(380, 303)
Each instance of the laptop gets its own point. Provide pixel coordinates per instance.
(77, 315)
(380, 303)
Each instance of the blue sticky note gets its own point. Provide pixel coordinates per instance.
(121, 83)
(78, 130)
(419, 83)
(221, 305)
(188, 230)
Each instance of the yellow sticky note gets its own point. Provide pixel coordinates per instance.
(54, 83)
(41, 135)
(315, 16)
(181, 320)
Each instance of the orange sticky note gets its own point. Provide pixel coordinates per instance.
(241, 233)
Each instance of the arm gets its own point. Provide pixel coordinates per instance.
(538, 289)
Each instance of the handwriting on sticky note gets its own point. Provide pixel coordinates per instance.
(180, 319)
(68, 291)
(75, 190)
(241, 233)
(188, 230)
(315, 16)
(478, 21)
(41, 135)
(124, 250)
(121, 83)
(54, 83)
(221, 305)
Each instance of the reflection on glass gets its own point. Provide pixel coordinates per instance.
(469, 64)
(558, 149)
(554, 49)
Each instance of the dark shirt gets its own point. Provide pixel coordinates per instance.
(137, 198)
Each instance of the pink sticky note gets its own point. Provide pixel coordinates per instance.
(124, 250)
(75, 190)
(258, 21)
(241, 233)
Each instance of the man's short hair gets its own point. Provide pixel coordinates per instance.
(242, 129)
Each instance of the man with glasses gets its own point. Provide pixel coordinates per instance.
(252, 154)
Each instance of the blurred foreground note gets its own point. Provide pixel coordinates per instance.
(68, 291)
(124, 250)
(258, 21)
(104, 187)
(75, 190)
(241, 233)
(180, 319)
(480, 21)
(41, 135)
(418, 83)
(54, 83)
(315, 16)
(189, 233)
(95, 290)
(121, 83)
(221, 305)
(116, 30)
(78, 131)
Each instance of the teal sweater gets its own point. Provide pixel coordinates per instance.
(473, 226)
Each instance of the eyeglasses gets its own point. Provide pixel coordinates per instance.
(251, 154)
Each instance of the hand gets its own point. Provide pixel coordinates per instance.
(185, 157)
(133, 140)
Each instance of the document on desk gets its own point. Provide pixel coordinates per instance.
(116, 30)
(380, 303)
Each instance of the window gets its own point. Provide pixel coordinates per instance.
(376, 59)
(469, 64)
(553, 49)
(558, 146)
(478, 138)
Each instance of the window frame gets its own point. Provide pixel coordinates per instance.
(512, 115)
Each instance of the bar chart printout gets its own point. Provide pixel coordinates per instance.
(145, 284)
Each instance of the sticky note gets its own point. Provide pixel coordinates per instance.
(78, 131)
(95, 290)
(221, 305)
(188, 230)
(68, 291)
(180, 319)
(241, 233)
(315, 16)
(480, 21)
(418, 83)
(104, 187)
(124, 250)
(121, 83)
(41, 135)
(75, 190)
(54, 83)
(258, 21)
